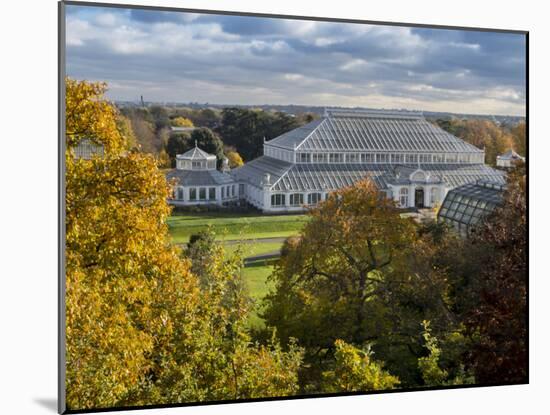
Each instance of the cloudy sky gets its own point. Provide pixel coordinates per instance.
(183, 57)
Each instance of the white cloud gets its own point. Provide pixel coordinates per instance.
(106, 19)
(354, 65)
(188, 57)
(293, 77)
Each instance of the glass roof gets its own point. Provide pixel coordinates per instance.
(288, 177)
(466, 205)
(199, 177)
(195, 154)
(355, 130)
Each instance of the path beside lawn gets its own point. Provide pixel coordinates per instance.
(259, 237)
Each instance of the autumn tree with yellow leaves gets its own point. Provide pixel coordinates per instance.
(140, 329)
(182, 122)
(235, 159)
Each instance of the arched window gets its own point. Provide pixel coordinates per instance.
(313, 198)
(419, 177)
(278, 200)
(296, 199)
(404, 197)
(202, 193)
(434, 196)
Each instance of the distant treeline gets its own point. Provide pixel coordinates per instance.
(239, 133)
(486, 134)
(234, 132)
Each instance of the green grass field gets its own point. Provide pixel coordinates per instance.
(236, 230)
(256, 277)
(234, 226)
(252, 247)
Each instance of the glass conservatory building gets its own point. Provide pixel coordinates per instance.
(197, 181)
(465, 206)
(509, 159)
(411, 160)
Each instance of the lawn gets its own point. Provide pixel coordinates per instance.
(252, 247)
(248, 231)
(235, 226)
(255, 276)
(256, 279)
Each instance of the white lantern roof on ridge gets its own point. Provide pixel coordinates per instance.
(196, 159)
(196, 154)
(510, 155)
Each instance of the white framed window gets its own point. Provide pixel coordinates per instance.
(193, 193)
(296, 199)
(397, 158)
(313, 198)
(319, 157)
(367, 158)
(412, 158)
(425, 158)
(179, 194)
(451, 158)
(382, 158)
(419, 177)
(352, 158)
(404, 197)
(212, 193)
(202, 193)
(439, 158)
(278, 200)
(304, 157)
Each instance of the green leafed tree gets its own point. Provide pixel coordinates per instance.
(361, 273)
(356, 371)
(433, 374)
(246, 129)
(494, 299)
(209, 141)
(178, 143)
(328, 276)
(206, 139)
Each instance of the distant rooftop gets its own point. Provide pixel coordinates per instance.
(510, 155)
(182, 129)
(347, 113)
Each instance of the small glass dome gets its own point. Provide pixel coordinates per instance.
(195, 159)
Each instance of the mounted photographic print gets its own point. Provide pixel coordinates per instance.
(262, 207)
